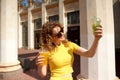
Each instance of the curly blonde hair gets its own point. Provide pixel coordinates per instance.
(46, 35)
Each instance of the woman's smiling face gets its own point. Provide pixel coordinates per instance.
(57, 35)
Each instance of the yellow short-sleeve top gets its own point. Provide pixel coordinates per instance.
(61, 59)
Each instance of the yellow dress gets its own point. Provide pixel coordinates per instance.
(61, 60)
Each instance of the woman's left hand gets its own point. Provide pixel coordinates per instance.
(98, 33)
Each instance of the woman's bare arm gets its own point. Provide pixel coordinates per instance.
(42, 71)
(91, 52)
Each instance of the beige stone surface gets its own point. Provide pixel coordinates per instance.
(116, 78)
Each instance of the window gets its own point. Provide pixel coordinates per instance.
(73, 17)
(25, 34)
(54, 18)
(37, 23)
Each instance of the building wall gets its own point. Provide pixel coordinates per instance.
(50, 11)
(53, 11)
(69, 7)
(36, 15)
(74, 6)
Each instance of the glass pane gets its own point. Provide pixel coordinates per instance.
(37, 23)
(73, 17)
(54, 18)
(25, 34)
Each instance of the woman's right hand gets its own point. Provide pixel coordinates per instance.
(40, 60)
(42, 70)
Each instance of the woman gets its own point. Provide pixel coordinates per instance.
(60, 51)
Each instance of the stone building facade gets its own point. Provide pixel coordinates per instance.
(24, 27)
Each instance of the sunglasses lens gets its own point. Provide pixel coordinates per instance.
(59, 34)
(62, 30)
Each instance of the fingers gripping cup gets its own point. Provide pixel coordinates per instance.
(95, 23)
(44, 58)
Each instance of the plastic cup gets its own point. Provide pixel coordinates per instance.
(95, 23)
(45, 54)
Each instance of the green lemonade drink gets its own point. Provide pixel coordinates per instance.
(96, 23)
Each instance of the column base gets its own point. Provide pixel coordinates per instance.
(80, 77)
(116, 78)
(12, 75)
(8, 67)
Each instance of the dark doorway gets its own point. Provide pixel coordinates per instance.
(36, 37)
(116, 9)
(73, 35)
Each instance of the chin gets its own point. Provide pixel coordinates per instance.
(62, 39)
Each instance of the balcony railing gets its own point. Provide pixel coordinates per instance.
(51, 1)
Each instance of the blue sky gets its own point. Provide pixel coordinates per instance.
(25, 2)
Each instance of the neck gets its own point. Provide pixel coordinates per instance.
(57, 43)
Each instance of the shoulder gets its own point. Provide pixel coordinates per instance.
(73, 45)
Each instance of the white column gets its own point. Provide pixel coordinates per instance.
(19, 32)
(8, 36)
(62, 15)
(102, 65)
(30, 30)
(44, 13)
(83, 37)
